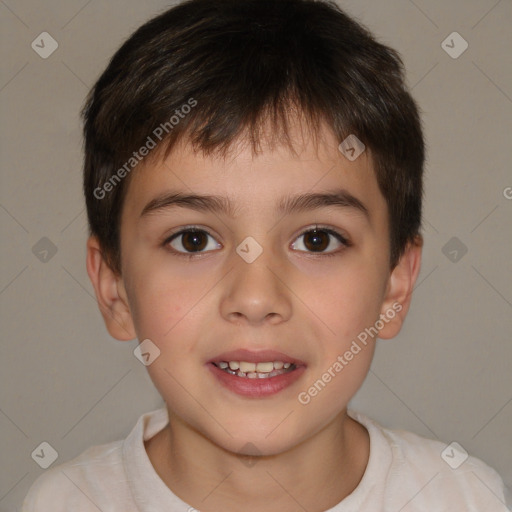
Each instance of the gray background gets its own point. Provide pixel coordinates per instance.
(446, 376)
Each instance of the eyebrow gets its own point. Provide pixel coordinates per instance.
(310, 201)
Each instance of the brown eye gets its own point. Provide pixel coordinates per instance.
(316, 240)
(191, 240)
(319, 239)
(194, 241)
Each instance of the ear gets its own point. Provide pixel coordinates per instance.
(399, 289)
(110, 293)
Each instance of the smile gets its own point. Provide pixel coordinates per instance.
(255, 374)
(261, 370)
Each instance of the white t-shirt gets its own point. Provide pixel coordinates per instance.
(405, 473)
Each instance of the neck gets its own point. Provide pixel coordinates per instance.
(315, 475)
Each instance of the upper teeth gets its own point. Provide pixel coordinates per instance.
(263, 367)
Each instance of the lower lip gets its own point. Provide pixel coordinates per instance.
(256, 387)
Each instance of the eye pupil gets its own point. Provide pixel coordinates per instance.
(194, 239)
(320, 241)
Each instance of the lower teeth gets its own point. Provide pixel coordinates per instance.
(255, 375)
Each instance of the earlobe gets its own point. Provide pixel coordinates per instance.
(399, 289)
(107, 284)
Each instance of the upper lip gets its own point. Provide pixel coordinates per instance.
(256, 356)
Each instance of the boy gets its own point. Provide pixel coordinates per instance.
(253, 180)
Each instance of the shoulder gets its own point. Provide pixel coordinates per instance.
(427, 474)
(80, 483)
(444, 473)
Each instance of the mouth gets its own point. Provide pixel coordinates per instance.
(261, 370)
(256, 374)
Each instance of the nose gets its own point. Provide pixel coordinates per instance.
(256, 292)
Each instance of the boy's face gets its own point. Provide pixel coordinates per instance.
(306, 296)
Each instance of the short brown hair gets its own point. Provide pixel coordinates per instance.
(226, 67)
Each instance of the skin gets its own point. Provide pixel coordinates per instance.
(291, 298)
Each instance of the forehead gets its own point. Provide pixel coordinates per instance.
(257, 182)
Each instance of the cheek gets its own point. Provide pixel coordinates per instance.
(348, 302)
(162, 305)
(330, 392)
(164, 311)
(348, 310)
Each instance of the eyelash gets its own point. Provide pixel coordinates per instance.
(194, 229)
